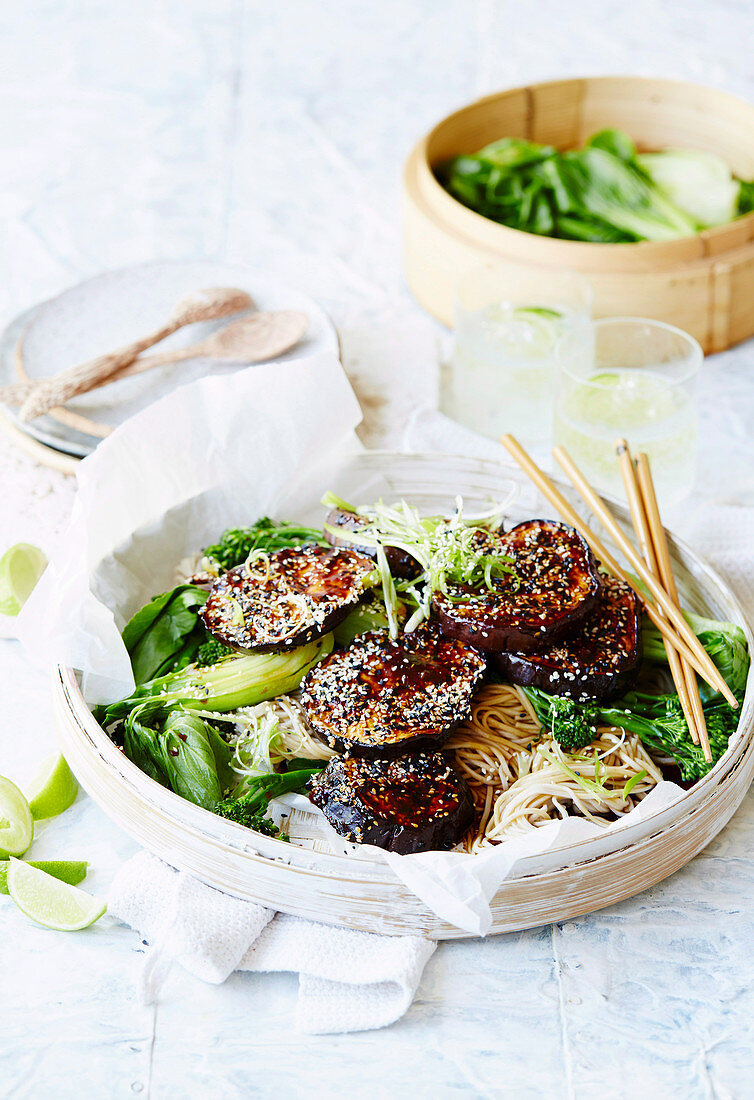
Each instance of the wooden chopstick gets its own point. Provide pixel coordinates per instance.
(639, 516)
(703, 662)
(664, 571)
(569, 514)
(556, 498)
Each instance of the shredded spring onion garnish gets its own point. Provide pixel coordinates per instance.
(595, 787)
(633, 781)
(449, 552)
(237, 617)
(265, 735)
(250, 565)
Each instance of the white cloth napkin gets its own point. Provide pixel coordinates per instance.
(348, 980)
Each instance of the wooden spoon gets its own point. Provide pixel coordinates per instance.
(250, 340)
(68, 417)
(201, 305)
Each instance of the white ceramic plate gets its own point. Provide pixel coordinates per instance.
(111, 310)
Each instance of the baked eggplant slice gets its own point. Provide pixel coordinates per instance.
(285, 599)
(400, 563)
(554, 586)
(381, 697)
(598, 661)
(415, 803)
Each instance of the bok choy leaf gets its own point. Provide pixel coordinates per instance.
(166, 633)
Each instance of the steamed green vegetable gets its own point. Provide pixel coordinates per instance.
(231, 683)
(725, 643)
(177, 753)
(182, 752)
(267, 535)
(660, 723)
(745, 197)
(702, 184)
(166, 633)
(573, 725)
(659, 719)
(603, 193)
(250, 808)
(595, 183)
(369, 615)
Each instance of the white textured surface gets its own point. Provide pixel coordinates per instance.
(274, 134)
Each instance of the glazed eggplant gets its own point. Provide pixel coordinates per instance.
(400, 563)
(415, 803)
(382, 697)
(554, 586)
(598, 661)
(285, 599)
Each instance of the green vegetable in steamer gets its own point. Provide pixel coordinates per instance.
(604, 193)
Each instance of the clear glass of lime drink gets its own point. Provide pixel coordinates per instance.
(509, 320)
(634, 378)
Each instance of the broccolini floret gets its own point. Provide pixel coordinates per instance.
(267, 535)
(250, 808)
(209, 653)
(573, 725)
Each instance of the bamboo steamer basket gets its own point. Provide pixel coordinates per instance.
(702, 284)
(362, 892)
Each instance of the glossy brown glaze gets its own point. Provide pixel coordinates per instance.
(285, 599)
(554, 585)
(598, 660)
(380, 697)
(414, 803)
(400, 563)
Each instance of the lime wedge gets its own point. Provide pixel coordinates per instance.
(72, 871)
(53, 790)
(607, 378)
(537, 311)
(20, 569)
(623, 400)
(532, 332)
(50, 902)
(16, 824)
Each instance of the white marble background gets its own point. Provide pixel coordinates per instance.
(273, 134)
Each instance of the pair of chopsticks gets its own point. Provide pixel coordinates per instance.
(645, 516)
(661, 605)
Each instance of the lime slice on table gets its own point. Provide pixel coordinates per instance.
(20, 569)
(50, 902)
(53, 790)
(16, 823)
(72, 871)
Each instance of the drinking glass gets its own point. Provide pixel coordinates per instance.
(634, 378)
(509, 319)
